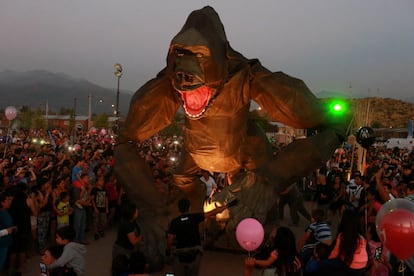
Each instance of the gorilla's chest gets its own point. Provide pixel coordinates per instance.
(214, 141)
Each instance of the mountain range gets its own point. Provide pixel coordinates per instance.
(39, 88)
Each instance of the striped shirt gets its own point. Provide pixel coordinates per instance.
(321, 232)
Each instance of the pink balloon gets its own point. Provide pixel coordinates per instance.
(10, 112)
(249, 234)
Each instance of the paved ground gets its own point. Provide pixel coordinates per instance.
(214, 263)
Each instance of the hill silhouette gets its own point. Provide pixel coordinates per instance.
(386, 112)
(38, 87)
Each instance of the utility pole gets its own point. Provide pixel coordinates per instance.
(47, 113)
(89, 111)
(74, 117)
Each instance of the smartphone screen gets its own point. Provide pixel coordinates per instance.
(377, 253)
(43, 269)
(169, 274)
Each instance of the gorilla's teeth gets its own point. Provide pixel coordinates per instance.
(194, 115)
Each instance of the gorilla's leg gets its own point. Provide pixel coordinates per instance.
(188, 184)
(134, 175)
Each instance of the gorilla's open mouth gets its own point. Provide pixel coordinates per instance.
(196, 101)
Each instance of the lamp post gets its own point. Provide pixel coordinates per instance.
(118, 75)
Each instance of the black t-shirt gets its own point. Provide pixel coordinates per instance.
(126, 227)
(48, 206)
(186, 230)
(323, 190)
(99, 198)
(20, 213)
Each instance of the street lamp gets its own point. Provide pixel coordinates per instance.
(118, 74)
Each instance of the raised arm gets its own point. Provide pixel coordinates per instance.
(152, 108)
(286, 99)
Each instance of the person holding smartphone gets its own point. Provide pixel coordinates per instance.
(73, 255)
(51, 254)
(381, 256)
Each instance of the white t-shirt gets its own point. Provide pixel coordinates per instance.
(210, 184)
(354, 193)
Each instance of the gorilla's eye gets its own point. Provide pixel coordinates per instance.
(179, 52)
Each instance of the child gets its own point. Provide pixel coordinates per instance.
(317, 232)
(282, 259)
(73, 255)
(50, 255)
(64, 210)
(99, 198)
(319, 264)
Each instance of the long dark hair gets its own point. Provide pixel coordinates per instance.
(350, 230)
(128, 210)
(285, 244)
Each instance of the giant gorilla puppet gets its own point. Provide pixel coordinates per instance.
(214, 85)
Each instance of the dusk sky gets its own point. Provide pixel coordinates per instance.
(329, 44)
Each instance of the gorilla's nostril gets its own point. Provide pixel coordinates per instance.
(188, 78)
(184, 77)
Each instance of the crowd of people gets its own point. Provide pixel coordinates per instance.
(55, 187)
(342, 237)
(51, 181)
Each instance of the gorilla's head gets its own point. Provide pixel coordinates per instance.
(196, 61)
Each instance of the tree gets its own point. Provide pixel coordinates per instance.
(66, 111)
(376, 124)
(101, 121)
(38, 121)
(25, 117)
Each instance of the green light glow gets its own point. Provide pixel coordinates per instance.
(337, 107)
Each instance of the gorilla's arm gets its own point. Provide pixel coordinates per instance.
(152, 108)
(289, 101)
(285, 99)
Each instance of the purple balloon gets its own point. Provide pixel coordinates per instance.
(10, 112)
(249, 234)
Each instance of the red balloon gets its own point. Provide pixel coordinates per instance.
(396, 231)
